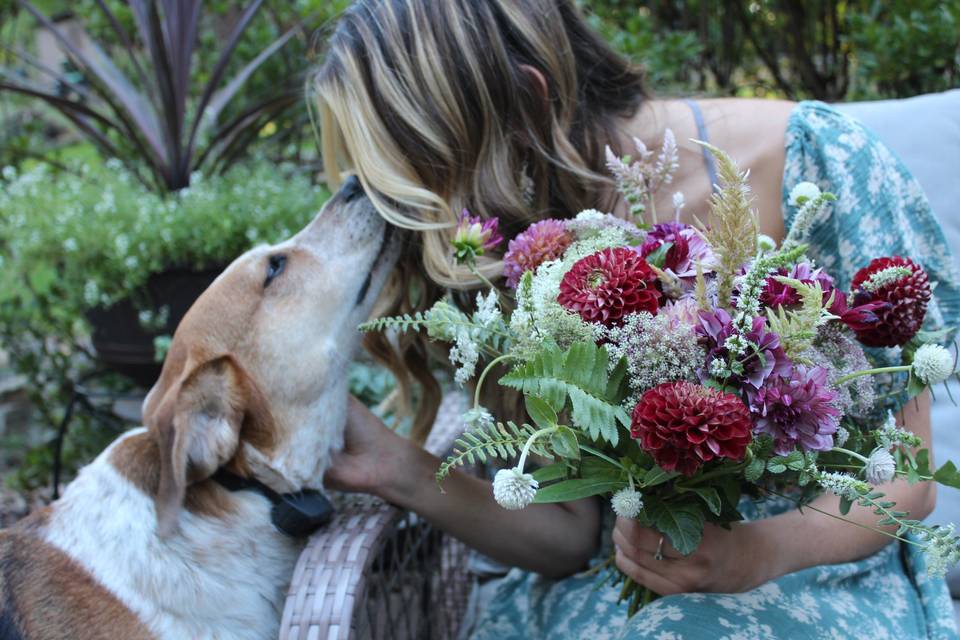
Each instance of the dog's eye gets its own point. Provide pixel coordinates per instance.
(275, 266)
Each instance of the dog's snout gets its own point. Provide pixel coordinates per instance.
(351, 189)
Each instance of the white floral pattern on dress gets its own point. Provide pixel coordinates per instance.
(881, 210)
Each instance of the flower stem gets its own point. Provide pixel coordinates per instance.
(483, 376)
(853, 454)
(529, 443)
(872, 372)
(594, 452)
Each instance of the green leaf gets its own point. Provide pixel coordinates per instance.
(577, 489)
(540, 412)
(658, 256)
(710, 496)
(617, 387)
(948, 475)
(656, 476)
(755, 469)
(42, 277)
(795, 461)
(681, 522)
(776, 465)
(551, 472)
(564, 443)
(845, 504)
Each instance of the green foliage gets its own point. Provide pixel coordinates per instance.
(500, 441)
(577, 489)
(681, 521)
(580, 374)
(70, 243)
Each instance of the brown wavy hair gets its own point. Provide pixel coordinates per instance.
(432, 105)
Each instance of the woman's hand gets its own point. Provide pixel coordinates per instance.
(725, 562)
(372, 454)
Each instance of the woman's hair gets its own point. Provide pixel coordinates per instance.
(432, 104)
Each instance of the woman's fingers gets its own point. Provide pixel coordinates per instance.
(641, 575)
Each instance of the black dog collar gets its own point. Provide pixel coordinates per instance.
(295, 514)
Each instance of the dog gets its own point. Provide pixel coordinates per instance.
(150, 541)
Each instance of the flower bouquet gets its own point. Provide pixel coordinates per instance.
(674, 369)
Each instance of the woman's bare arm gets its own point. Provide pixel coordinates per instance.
(551, 539)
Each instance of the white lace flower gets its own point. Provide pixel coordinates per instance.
(880, 467)
(802, 193)
(513, 489)
(478, 417)
(932, 364)
(679, 202)
(627, 502)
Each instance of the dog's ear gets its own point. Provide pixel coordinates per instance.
(197, 426)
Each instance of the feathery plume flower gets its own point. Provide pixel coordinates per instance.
(474, 236)
(842, 485)
(798, 410)
(932, 364)
(608, 285)
(903, 285)
(540, 242)
(513, 489)
(627, 502)
(683, 425)
(880, 467)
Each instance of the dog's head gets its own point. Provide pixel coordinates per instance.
(256, 375)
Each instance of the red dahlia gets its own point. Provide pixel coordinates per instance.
(903, 285)
(682, 425)
(608, 285)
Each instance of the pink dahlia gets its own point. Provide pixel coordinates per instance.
(540, 242)
(683, 425)
(798, 410)
(608, 285)
(777, 294)
(902, 287)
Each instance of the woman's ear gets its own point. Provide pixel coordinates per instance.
(538, 81)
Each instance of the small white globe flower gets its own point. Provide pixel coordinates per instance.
(765, 243)
(513, 489)
(627, 502)
(880, 467)
(679, 202)
(932, 364)
(803, 193)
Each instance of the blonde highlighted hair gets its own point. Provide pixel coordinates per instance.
(501, 107)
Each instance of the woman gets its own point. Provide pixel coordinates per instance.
(504, 107)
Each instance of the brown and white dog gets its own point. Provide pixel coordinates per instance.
(143, 543)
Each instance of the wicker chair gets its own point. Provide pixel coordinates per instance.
(377, 571)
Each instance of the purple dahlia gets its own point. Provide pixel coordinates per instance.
(797, 410)
(768, 358)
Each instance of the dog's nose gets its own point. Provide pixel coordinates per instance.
(351, 189)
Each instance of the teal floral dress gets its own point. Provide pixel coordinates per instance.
(881, 210)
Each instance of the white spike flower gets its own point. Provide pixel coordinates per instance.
(880, 467)
(627, 502)
(802, 193)
(932, 364)
(513, 489)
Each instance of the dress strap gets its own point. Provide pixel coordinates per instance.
(708, 158)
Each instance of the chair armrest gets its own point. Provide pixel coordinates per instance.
(377, 571)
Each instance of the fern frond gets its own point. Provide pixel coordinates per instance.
(402, 323)
(580, 374)
(500, 442)
(734, 226)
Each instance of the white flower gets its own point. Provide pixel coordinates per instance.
(513, 489)
(627, 502)
(841, 437)
(478, 417)
(9, 173)
(765, 244)
(932, 364)
(802, 193)
(841, 484)
(678, 201)
(880, 467)
(488, 311)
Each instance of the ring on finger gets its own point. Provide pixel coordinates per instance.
(659, 553)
